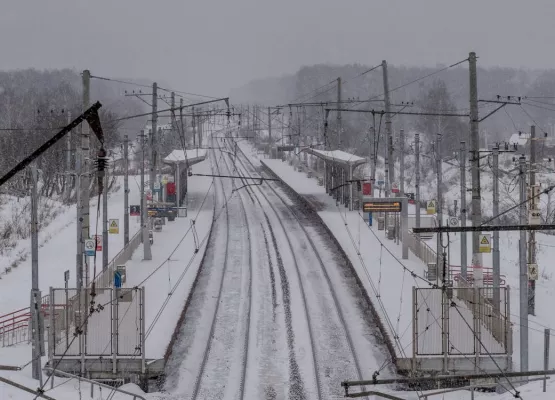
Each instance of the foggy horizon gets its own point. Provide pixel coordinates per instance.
(213, 47)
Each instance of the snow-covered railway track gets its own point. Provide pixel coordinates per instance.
(335, 357)
(223, 368)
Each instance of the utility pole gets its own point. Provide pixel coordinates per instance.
(523, 270)
(67, 194)
(373, 157)
(193, 122)
(388, 130)
(200, 129)
(475, 147)
(402, 162)
(439, 198)
(181, 124)
(532, 234)
(173, 120)
(147, 254)
(126, 190)
(496, 261)
(464, 250)
(269, 126)
(105, 221)
(35, 293)
(339, 122)
(417, 178)
(153, 139)
(83, 188)
(298, 137)
(158, 165)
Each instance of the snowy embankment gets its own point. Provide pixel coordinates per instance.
(167, 278)
(57, 248)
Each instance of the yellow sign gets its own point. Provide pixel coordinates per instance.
(485, 244)
(113, 226)
(431, 207)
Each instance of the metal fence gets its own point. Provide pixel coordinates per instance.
(106, 278)
(15, 326)
(109, 324)
(494, 319)
(422, 250)
(460, 321)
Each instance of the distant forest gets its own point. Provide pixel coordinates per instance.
(35, 104)
(446, 91)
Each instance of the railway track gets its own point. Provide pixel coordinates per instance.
(339, 360)
(231, 322)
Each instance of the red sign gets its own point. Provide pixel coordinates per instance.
(367, 188)
(98, 239)
(170, 188)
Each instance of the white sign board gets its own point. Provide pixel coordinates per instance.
(453, 221)
(533, 272)
(90, 247)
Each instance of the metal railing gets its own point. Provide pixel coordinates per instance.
(105, 278)
(15, 326)
(422, 250)
(496, 320)
(93, 383)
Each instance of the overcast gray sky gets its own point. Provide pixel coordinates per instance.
(210, 46)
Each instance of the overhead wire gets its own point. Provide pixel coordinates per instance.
(101, 307)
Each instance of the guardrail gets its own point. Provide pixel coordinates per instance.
(15, 326)
(496, 319)
(422, 250)
(105, 278)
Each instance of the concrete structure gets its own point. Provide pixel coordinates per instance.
(339, 167)
(181, 160)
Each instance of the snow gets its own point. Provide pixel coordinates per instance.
(57, 248)
(192, 156)
(545, 290)
(341, 221)
(167, 277)
(175, 262)
(378, 269)
(337, 155)
(520, 139)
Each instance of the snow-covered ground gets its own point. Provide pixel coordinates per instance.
(545, 289)
(374, 258)
(167, 279)
(57, 248)
(307, 327)
(385, 271)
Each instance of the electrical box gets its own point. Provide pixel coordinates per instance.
(121, 270)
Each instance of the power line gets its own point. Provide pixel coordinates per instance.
(344, 82)
(422, 78)
(149, 86)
